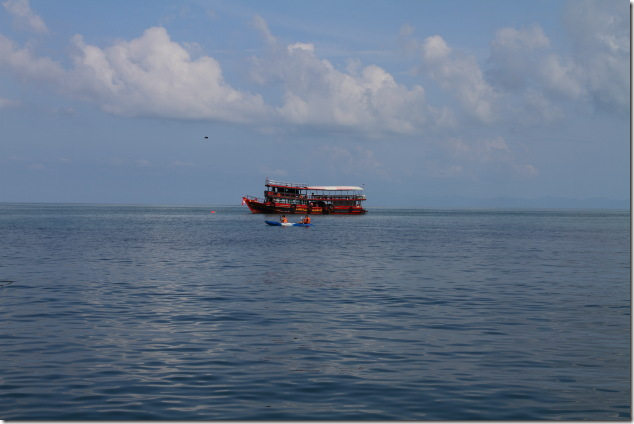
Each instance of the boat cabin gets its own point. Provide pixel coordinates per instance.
(288, 197)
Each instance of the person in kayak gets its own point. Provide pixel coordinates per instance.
(306, 220)
(283, 219)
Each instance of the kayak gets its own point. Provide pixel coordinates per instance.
(288, 224)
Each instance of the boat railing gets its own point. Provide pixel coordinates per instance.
(253, 198)
(285, 184)
(337, 197)
(324, 197)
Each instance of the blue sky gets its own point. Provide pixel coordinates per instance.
(425, 102)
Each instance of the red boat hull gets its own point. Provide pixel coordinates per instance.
(285, 208)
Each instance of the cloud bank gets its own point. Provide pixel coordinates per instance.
(523, 78)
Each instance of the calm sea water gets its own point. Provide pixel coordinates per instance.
(150, 312)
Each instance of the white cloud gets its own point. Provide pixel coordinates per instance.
(147, 76)
(596, 72)
(536, 109)
(24, 16)
(260, 24)
(460, 75)
(527, 81)
(27, 66)
(154, 76)
(560, 77)
(316, 93)
(522, 61)
(321, 95)
(513, 56)
(601, 37)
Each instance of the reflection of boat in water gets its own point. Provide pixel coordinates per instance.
(288, 224)
(281, 197)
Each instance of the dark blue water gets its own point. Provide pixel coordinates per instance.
(145, 312)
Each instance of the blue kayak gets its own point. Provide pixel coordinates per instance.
(287, 224)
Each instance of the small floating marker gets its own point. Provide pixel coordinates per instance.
(212, 211)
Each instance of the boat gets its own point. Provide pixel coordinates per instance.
(288, 224)
(295, 198)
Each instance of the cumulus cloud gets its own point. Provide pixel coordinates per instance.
(316, 93)
(532, 81)
(24, 17)
(147, 76)
(536, 109)
(596, 72)
(522, 62)
(461, 75)
(601, 36)
(513, 56)
(526, 79)
(154, 76)
(27, 65)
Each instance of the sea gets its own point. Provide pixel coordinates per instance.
(135, 312)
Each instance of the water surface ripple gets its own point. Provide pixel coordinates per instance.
(150, 312)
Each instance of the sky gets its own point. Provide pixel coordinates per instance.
(426, 103)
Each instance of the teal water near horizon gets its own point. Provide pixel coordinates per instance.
(114, 312)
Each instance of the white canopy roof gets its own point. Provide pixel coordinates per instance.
(334, 188)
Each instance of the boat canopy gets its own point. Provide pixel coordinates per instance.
(334, 188)
(272, 183)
